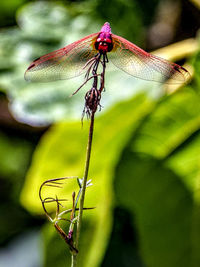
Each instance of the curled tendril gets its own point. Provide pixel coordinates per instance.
(58, 183)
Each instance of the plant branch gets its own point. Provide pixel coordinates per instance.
(87, 163)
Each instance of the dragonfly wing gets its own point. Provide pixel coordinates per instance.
(65, 63)
(137, 62)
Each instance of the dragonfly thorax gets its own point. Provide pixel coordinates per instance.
(104, 43)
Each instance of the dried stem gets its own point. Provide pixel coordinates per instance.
(92, 102)
(80, 213)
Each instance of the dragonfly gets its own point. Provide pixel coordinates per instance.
(79, 57)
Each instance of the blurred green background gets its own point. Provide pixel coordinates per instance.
(146, 151)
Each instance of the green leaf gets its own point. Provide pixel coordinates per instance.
(157, 180)
(185, 163)
(171, 124)
(43, 21)
(161, 207)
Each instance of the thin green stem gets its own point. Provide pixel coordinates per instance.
(80, 213)
(74, 261)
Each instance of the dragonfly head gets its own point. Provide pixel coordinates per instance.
(104, 42)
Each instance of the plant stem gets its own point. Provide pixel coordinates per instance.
(80, 213)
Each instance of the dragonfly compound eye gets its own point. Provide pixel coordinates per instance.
(104, 46)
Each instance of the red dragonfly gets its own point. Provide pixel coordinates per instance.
(74, 59)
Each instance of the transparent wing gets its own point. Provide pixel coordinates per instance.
(137, 62)
(65, 63)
